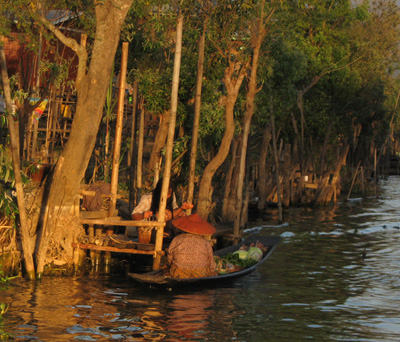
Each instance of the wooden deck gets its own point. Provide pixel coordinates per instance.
(97, 241)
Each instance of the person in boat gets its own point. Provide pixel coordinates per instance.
(190, 254)
(149, 203)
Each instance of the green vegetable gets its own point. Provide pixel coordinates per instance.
(254, 253)
(237, 261)
(242, 253)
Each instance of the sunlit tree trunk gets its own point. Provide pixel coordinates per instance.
(232, 84)
(257, 37)
(262, 167)
(228, 205)
(160, 139)
(92, 83)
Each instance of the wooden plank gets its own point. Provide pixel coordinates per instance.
(113, 222)
(58, 130)
(311, 185)
(115, 249)
(93, 214)
(86, 192)
(92, 193)
(308, 185)
(100, 214)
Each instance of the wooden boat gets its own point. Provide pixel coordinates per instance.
(160, 278)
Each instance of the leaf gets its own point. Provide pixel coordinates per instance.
(7, 175)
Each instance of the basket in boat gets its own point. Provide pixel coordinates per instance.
(144, 234)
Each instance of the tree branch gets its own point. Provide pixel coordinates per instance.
(79, 49)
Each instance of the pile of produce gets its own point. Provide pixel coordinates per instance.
(246, 256)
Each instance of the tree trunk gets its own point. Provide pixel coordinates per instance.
(228, 206)
(196, 119)
(258, 37)
(24, 231)
(287, 176)
(326, 190)
(300, 105)
(262, 168)
(91, 93)
(232, 84)
(245, 211)
(160, 139)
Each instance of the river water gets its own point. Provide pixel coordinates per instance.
(334, 277)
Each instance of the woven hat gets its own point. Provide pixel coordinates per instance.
(194, 224)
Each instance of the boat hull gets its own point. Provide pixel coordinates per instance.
(159, 277)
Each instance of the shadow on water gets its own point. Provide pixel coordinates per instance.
(333, 277)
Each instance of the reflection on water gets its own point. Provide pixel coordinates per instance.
(334, 277)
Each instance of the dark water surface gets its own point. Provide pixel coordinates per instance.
(334, 277)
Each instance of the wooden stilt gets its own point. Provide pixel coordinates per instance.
(118, 129)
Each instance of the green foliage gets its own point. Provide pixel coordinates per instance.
(8, 205)
(56, 73)
(155, 86)
(3, 120)
(111, 102)
(362, 13)
(350, 49)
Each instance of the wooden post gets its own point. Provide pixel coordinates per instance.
(140, 154)
(375, 171)
(118, 129)
(170, 139)
(34, 139)
(362, 180)
(287, 175)
(278, 186)
(131, 154)
(133, 127)
(26, 245)
(354, 178)
(196, 119)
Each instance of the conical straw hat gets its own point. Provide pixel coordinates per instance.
(194, 224)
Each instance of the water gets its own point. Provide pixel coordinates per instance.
(334, 277)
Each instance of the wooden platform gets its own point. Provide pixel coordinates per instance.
(116, 244)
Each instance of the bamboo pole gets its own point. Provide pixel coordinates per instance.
(131, 153)
(118, 129)
(196, 119)
(133, 127)
(26, 245)
(170, 139)
(139, 165)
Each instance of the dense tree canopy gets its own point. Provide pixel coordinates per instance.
(326, 74)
